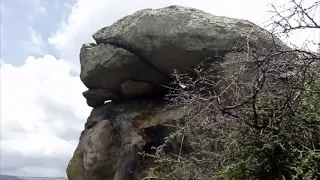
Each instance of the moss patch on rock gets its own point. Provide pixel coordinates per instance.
(83, 75)
(74, 167)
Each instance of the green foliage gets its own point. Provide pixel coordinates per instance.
(311, 97)
(272, 135)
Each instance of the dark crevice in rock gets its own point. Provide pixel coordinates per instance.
(119, 44)
(97, 96)
(157, 89)
(138, 80)
(157, 92)
(155, 136)
(153, 98)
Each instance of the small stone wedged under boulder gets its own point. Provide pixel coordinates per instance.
(97, 97)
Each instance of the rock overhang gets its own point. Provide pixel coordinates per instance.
(135, 56)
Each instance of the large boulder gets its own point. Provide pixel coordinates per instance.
(178, 37)
(131, 62)
(147, 46)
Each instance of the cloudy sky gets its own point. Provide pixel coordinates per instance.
(42, 109)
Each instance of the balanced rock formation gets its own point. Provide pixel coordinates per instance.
(130, 64)
(136, 55)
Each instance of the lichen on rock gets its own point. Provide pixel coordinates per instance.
(75, 169)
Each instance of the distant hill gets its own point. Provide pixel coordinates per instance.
(7, 177)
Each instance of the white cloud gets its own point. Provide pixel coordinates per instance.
(36, 43)
(40, 104)
(1, 62)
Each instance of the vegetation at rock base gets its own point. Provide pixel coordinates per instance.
(262, 122)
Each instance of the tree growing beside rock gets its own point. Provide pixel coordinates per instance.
(257, 117)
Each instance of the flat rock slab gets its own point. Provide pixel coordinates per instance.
(106, 66)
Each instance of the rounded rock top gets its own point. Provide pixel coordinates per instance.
(148, 45)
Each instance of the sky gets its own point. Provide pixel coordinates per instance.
(41, 106)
